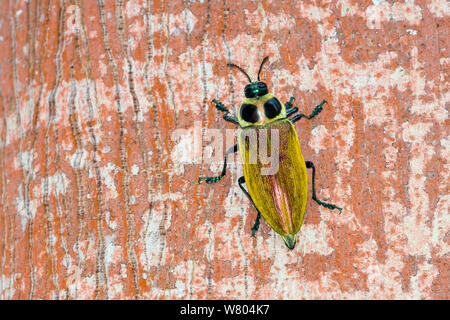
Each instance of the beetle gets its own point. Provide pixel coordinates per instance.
(280, 198)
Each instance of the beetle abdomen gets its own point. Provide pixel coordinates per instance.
(276, 177)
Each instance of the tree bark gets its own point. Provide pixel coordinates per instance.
(106, 123)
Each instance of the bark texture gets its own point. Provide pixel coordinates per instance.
(101, 103)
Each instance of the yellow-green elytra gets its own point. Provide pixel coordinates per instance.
(279, 196)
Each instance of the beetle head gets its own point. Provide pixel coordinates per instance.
(256, 89)
(259, 106)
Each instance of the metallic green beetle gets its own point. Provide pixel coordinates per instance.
(279, 197)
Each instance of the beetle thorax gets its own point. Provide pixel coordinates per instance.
(261, 111)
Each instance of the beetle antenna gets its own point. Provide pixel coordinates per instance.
(242, 70)
(262, 63)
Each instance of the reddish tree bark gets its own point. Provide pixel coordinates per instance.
(96, 172)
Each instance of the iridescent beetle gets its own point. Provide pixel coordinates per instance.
(280, 197)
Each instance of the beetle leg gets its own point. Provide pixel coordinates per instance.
(289, 103)
(233, 149)
(231, 119)
(310, 165)
(222, 108)
(315, 112)
(255, 227)
(289, 108)
(291, 111)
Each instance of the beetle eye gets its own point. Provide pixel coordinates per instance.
(249, 92)
(272, 108)
(249, 113)
(262, 85)
(262, 89)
